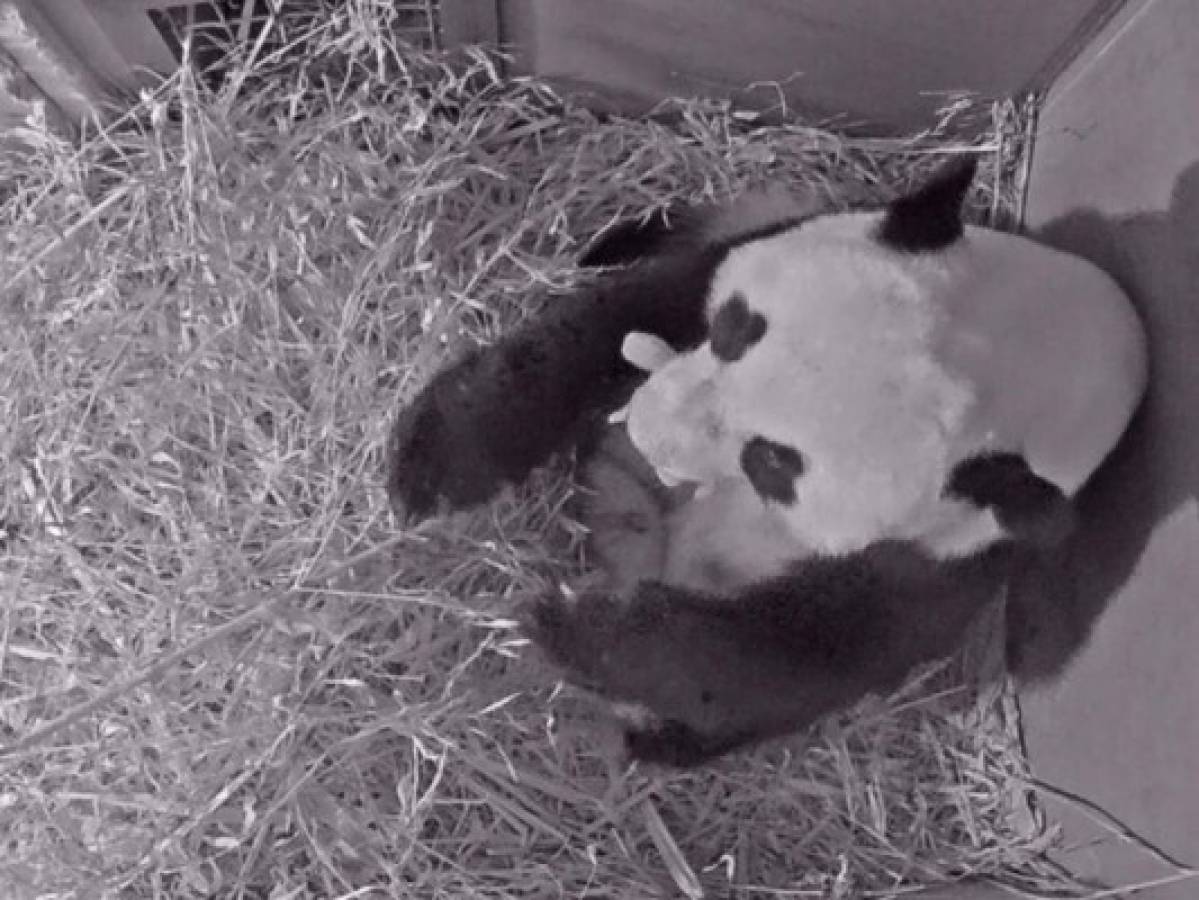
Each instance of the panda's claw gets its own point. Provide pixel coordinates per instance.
(620, 416)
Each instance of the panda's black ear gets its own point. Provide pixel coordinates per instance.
(930, 218)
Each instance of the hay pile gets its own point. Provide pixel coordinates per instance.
(225, 670)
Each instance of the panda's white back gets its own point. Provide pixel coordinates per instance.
(844, 373)
(1055, 331)
(1061, 338)
(994, 343)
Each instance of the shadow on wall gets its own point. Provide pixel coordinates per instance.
(1155, 469)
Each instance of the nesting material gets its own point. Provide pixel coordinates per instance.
(226, 671)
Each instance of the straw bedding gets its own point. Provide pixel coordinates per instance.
(226, 670)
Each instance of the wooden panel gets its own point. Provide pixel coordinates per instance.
(1115, 177)
(77, 29)
(133, 33)
(151, 4)
(889, 64)
(19, 96)
(470, 22)
(48, 61)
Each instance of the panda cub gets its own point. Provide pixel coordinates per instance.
(645, 526)
(843, 433)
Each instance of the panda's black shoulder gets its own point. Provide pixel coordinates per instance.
(629, 240)
(888, 606)
(713, 229)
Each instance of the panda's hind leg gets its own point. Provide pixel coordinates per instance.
(1028, 506)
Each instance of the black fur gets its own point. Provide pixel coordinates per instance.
(629, 240)
(678, 229)
(1042, 613)
(719, 673)
(502, 410)
(735, 328)
(671, 743)
(772, 469)
(764, 232)
(1029, 507)
(929, 219)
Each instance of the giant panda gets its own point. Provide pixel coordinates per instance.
(875, 418)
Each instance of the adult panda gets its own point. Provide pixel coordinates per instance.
(887, 413)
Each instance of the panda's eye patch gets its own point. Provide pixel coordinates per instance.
(735, 328)
(772, 468)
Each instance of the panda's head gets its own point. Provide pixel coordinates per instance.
(854, 359)
(819, 383)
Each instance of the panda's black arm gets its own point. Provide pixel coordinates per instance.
(718, 673)
(502, 410)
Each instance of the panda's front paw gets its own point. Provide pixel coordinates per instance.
(675, 744)
(546, 622)
(571, 631)
(438, 454)
(602, 645)
(415, 469)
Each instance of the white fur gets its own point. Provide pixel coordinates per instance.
(884, 369)
(646, 351)
(711, 537)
